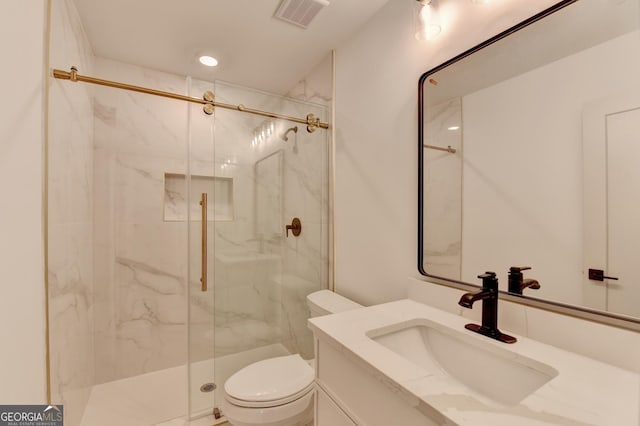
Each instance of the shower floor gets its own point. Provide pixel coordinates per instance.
(160, 398)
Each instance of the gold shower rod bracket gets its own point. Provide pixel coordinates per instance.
(208, 99)
(312, 123)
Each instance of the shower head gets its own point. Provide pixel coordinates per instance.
(284, 136)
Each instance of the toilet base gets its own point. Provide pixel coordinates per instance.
(295, 413)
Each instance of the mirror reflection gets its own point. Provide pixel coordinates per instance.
(530, 150)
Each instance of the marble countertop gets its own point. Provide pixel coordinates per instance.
(584, 392)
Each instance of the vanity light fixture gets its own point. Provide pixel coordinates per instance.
(453, 128)
(427, 24)
(207, 60)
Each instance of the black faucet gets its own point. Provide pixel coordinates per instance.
(517, 283)
(489, 297)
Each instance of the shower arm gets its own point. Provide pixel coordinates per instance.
(311, 121)
(293, 129)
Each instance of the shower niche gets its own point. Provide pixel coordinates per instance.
(219, 206)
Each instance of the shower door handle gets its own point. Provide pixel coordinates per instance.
(203, 277)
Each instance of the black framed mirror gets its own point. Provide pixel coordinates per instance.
(527, 148)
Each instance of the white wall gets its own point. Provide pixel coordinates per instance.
(22, 359)
(377, 75)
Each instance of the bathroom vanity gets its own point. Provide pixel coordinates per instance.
(407, 363)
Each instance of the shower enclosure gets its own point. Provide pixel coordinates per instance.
(155, 297)
(261, 273)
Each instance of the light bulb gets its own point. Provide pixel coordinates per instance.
(427, 26)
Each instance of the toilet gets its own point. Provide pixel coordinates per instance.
(279, 391)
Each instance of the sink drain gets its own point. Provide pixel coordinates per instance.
(208, 387)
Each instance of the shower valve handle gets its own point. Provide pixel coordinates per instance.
(295, 227)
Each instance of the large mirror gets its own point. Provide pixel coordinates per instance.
(529, 148)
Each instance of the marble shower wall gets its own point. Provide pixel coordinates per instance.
(140, 259)
(70, 217)
(263, 277)
(257, 287)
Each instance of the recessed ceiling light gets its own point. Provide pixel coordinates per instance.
(209, 61)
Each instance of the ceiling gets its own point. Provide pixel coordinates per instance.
(253, 48)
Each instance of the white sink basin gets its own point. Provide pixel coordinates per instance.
(486, 367)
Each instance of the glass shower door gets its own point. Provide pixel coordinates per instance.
(208, 201)
(118, 248)
(258, 174)
(274, 172)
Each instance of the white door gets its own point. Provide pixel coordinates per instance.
(612, 204)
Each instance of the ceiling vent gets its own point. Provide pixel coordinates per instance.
(299, 12)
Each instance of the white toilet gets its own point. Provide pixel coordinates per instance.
(278, 391)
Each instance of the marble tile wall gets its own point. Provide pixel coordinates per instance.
(270, 294)
(70, 217)
(258, 288)
(306, 257)
(140, 259)
(310, 260)
(317, 86)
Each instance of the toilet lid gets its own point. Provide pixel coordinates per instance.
(271, 379)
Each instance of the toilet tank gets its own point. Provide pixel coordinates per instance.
(325, 302)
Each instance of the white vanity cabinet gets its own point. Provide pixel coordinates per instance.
(348, 393)
(328, 412)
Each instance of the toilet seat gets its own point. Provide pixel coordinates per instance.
(272, 403)
(270, 382)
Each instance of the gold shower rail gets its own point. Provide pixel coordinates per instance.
(208, 101)
(439, 148)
